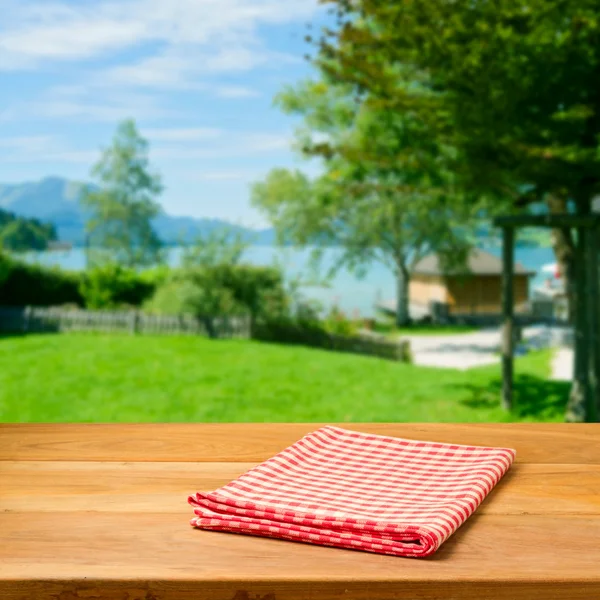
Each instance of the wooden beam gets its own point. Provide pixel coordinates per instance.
(508, 259)
(579, 398)
(552, 221)
(593, 317)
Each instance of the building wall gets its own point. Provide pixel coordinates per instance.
(424, 289)
(479, 295)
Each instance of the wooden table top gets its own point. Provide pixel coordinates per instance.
(100, 512)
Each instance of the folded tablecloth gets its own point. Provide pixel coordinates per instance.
(368, 492)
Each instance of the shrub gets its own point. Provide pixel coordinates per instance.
(184, 296)
(337, 322)
(259, 289)
(22, 284)
(113, 286)
(222, 290)
(287, 330)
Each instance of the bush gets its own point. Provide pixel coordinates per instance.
(219, 290)
(113, 286)
(287, 330)
(22, 284)
(337, 323)
(180, 296)
(260, 290)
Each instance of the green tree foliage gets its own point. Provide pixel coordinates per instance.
(193, 294)
(515, 84)
(106, 287)
(22, 284)
(515, 89)
(19, 234)
(213, 281)
(112, 286)
(220, 246)
(387, 192)
(120, 227)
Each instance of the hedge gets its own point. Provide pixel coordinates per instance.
(22, 284)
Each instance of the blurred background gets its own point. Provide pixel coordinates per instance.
(249, 210)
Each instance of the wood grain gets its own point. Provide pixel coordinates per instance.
(101, 589)
(61, 486)
(99, 512)
(160, 547)
(240, 442)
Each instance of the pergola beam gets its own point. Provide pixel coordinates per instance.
(552, 221)
(508, 260)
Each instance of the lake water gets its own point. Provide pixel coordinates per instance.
(351, 293)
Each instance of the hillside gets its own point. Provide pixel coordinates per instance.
(56, 200)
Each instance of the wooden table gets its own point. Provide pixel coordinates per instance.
(100, 512)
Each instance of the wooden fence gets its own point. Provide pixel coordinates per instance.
(33, 319)
(370, 345)
(390, 350)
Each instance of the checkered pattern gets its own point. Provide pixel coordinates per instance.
(342, 488)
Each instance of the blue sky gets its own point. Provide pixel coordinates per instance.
(197, 75)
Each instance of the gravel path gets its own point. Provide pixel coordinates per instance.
(462, 351)
(562, 365)
(468, 350)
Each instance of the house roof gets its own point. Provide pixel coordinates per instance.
(479, 263)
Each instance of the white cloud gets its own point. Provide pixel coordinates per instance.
(31, 143)
(224, 29)
(167, 70)
(182, 45)
(262, 142)
(79, 102)
(230, 144)
(96, 112)
(190, 134)
(178, 144)
(236, 91)
(81, 41)
(229, 175)
(43, 148)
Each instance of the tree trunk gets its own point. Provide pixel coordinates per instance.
(402, 300)
(564, 250)
(577, 405)
(582, 400)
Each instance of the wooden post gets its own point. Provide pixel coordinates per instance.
(135, 322)
(593, 322)
(508, 254)
(579, 398)
(27, 319)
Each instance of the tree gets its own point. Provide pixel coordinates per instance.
(123, 206)
(386, 193)
(213, 282)
(220, 246)
(20, 234)
(518, 87)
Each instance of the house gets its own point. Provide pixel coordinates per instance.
(475, 291)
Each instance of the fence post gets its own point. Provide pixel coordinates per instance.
(27, 319)
(135, 322)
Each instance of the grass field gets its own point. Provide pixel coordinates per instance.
(101, 378)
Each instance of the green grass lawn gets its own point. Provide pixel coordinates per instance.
(91, 378)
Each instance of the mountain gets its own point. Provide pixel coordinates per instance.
(56, 200)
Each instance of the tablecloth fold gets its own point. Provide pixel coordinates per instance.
(347, 489)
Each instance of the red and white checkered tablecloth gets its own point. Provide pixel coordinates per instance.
(368, 492)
